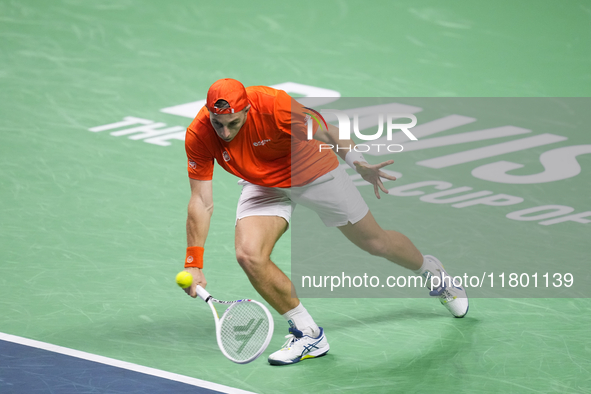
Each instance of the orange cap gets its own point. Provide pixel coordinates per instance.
(230, 90)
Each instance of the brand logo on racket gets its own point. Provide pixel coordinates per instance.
(245, 333)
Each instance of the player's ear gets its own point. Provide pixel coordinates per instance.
(247, 109)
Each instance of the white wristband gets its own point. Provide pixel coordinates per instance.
(352, 156)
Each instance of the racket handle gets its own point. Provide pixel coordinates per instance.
(202, 293)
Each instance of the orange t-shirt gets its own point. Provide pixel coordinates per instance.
(271, 149)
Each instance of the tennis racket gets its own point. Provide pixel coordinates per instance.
(244, 330)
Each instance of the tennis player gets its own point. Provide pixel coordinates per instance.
(259, 134)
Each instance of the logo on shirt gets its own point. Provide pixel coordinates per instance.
(192, 164)
(260, 143)
(226, 156)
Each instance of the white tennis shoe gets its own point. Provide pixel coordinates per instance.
(299, 347)
(453, 297)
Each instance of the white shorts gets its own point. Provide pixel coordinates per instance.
(332, 196)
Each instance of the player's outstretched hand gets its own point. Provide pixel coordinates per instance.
(372, 174)
(198, 279)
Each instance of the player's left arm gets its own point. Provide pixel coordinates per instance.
(369, 172)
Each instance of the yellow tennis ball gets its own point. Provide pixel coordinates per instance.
(184, 279)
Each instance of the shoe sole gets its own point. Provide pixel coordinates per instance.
(314, 354)
(459, 317)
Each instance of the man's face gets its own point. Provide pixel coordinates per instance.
(227, 126)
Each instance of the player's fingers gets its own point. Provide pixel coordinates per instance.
(382, 187)
(387, 176)
(376, 191)
(188, 290)
(192, 291)
(386, 163)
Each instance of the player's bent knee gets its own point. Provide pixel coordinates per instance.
(375, 247)
(250, 261)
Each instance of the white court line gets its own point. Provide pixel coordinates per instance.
(121, 364)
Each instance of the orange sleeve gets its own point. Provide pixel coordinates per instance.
(199, 158)
(291, 116)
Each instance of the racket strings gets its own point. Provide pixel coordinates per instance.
(244, 329)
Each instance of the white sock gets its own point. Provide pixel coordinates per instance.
(428, 266)
(300, 319)
(423, 268)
